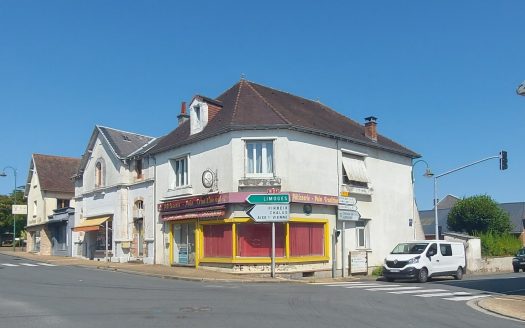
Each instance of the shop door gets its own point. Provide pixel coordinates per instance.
(184, 243)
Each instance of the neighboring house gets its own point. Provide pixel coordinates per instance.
(257, 140)
(50, 207)
(516, 212)
(113, 193)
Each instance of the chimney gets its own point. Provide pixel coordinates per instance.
(371, 128)
(183, 116)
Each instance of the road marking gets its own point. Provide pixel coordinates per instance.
(365, 286)
(342, 284)
(465, 298)
(46, 264)
(29, 264)
(10, 265)
(444, 294)
(392, 288)
(419, 291)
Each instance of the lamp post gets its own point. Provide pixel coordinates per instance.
(428, 174)
(3, 174)
(521, 89)
(452, 171)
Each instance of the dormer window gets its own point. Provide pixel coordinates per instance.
(198, 116)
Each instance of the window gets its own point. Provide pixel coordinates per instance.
(36, 241)
(138, 168)
(306, 239)
(362, 232)
(35, 208)
(139, 205)
(255, 240)
(179, 173)
(62, 203)
(98, 175)
(259, 158)
(217, 240)
(354, 171)
(445, 249)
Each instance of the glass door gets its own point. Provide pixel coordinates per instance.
(184, 243)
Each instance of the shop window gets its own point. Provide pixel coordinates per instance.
(362, 232)
(36, 241)
(259, 158)
(306, 239)
(354, 171)
(255, 240)
(101, 237)
(217, 240)
(179, 173)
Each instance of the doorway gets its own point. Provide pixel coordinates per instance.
(184, 243)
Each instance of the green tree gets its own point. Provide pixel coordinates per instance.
(478, 214)
(6, 218)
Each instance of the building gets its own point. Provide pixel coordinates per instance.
(49, 192)
(113, 194)
(515, 210)
(254, 139)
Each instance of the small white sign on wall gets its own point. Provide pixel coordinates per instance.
(19, 209)
(358, 262)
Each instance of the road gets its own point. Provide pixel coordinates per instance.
(33, 294)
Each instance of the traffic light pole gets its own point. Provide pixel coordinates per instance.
(452, 171)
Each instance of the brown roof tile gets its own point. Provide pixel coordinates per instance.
(248, 105)
(55, 173)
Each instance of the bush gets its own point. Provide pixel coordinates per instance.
(493, 244)
(378, 271)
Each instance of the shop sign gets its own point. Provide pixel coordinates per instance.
(299, 197)
(192, 202)
(270, 213)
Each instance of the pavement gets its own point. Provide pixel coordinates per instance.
(510, 306)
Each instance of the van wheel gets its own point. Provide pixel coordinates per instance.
(423, 275)
(459, 274)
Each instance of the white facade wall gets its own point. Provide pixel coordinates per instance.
(309, 164)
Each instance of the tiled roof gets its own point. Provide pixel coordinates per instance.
(248, 105)
(55, 173)
(124, 143)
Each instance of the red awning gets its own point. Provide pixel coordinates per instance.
(196, 213)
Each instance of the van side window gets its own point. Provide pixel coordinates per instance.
(446, 249)
(432, 249)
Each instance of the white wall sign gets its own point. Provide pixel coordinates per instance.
(358, 262)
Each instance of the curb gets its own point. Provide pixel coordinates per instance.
(475, 304)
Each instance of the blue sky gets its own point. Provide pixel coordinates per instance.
(440, 75)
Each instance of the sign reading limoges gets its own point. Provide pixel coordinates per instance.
(347, 209)
(269, 207)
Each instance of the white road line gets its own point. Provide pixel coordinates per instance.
(465, 298)
(392, 288)
(364, 286)
(444, 294)
(46, 264)
(344, 284)
(29, 264)
(10, 264)
(419, 291)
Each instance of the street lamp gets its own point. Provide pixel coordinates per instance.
(500, 156)
(428, 174)
(3, 174)
(521, 89)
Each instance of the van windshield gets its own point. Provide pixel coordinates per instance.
(409, 248)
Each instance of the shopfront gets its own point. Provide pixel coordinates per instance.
(220, 235)
(97, 237)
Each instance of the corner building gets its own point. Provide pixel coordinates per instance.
(254, 139)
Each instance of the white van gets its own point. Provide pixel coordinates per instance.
(421, 260)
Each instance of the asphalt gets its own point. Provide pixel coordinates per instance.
(510, 306)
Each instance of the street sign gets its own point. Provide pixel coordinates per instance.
(268, 198)
(270, 213)
(345, 215)
(347, 200)
(19, 209)
(347, 207)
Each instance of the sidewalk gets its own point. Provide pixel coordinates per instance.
(506, 305)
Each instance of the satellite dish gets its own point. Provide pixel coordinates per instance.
(521, 89)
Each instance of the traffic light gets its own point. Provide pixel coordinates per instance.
(503, 160)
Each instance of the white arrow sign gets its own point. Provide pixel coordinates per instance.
(270, 212)
(347, 207)
(344, 215)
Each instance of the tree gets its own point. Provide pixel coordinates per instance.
(478, 214)
(6, 218)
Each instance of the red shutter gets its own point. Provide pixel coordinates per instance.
(306, 239)
(217, 240)
(255, 240)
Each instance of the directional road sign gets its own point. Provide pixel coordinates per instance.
(268, 198)
(270, 212)
(345, 215)
(347, 207)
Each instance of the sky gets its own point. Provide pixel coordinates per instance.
(440, 76)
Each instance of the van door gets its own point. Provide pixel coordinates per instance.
(447, 261)
(434, 256)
